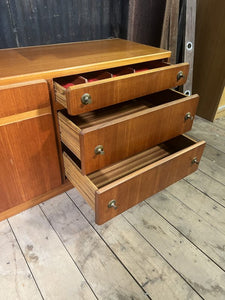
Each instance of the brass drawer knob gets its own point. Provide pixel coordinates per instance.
(99, 150)
(180, 75)
(112, 203)
(188, 116)
(195, 161)
(86, 99)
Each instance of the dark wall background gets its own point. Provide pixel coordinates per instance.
(145, 21)
(39, 22)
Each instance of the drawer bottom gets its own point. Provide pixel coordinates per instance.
(114, 189)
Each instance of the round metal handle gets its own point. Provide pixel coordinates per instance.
(188, 116)
(180, 75)
(112, 203)
(99, 150)
(195, 161)
(86, 99)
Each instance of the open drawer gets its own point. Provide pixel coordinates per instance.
(118, 187)
(105, 136)
(86, 92)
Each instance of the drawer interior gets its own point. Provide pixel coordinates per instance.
(132, 180)
(69, 81)
(117, 111)
(118, 170)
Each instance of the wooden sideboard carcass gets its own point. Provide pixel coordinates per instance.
(99, 115)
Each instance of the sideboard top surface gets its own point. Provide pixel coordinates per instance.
(49, 61)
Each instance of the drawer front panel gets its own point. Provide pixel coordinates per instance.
(135, 133)
(134, 188)
(115, 90)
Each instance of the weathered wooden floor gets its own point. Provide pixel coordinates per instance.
(171, 246)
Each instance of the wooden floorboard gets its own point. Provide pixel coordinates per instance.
(16, 279)
(217, 157)
(197, 269)
(212, 169)
(213, 135)
(152, 272)
(171, 246)
(53, 269)
(207, 185)
(200, 204)
(220, 122)
(101, 268)
(196, 229)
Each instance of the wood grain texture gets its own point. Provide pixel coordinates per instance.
(14, 270)
(138, 122)
(213, 166)
(161, 258)
(117, 171)
(145, 21)
(7, 34)
(106, 127)
(170, 28)
(41, 247)
(200, 203)
(132, 186)
(209, 71)
(25, 116)
(94, 258)
(156, 276)
(213, 135)
(69, 134)
(56, 127)
(173, 29)
(215, 190)
(51, 61)
(81, 182)
(34, 201)
(28, 161)
(135, 187)
(129, 135)
(38, 23)
(205, 277)
(60, 94)
(164, 42)
(122, 88)
(185, 220)
(23, 97)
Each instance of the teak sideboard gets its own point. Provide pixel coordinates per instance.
(101, 116)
